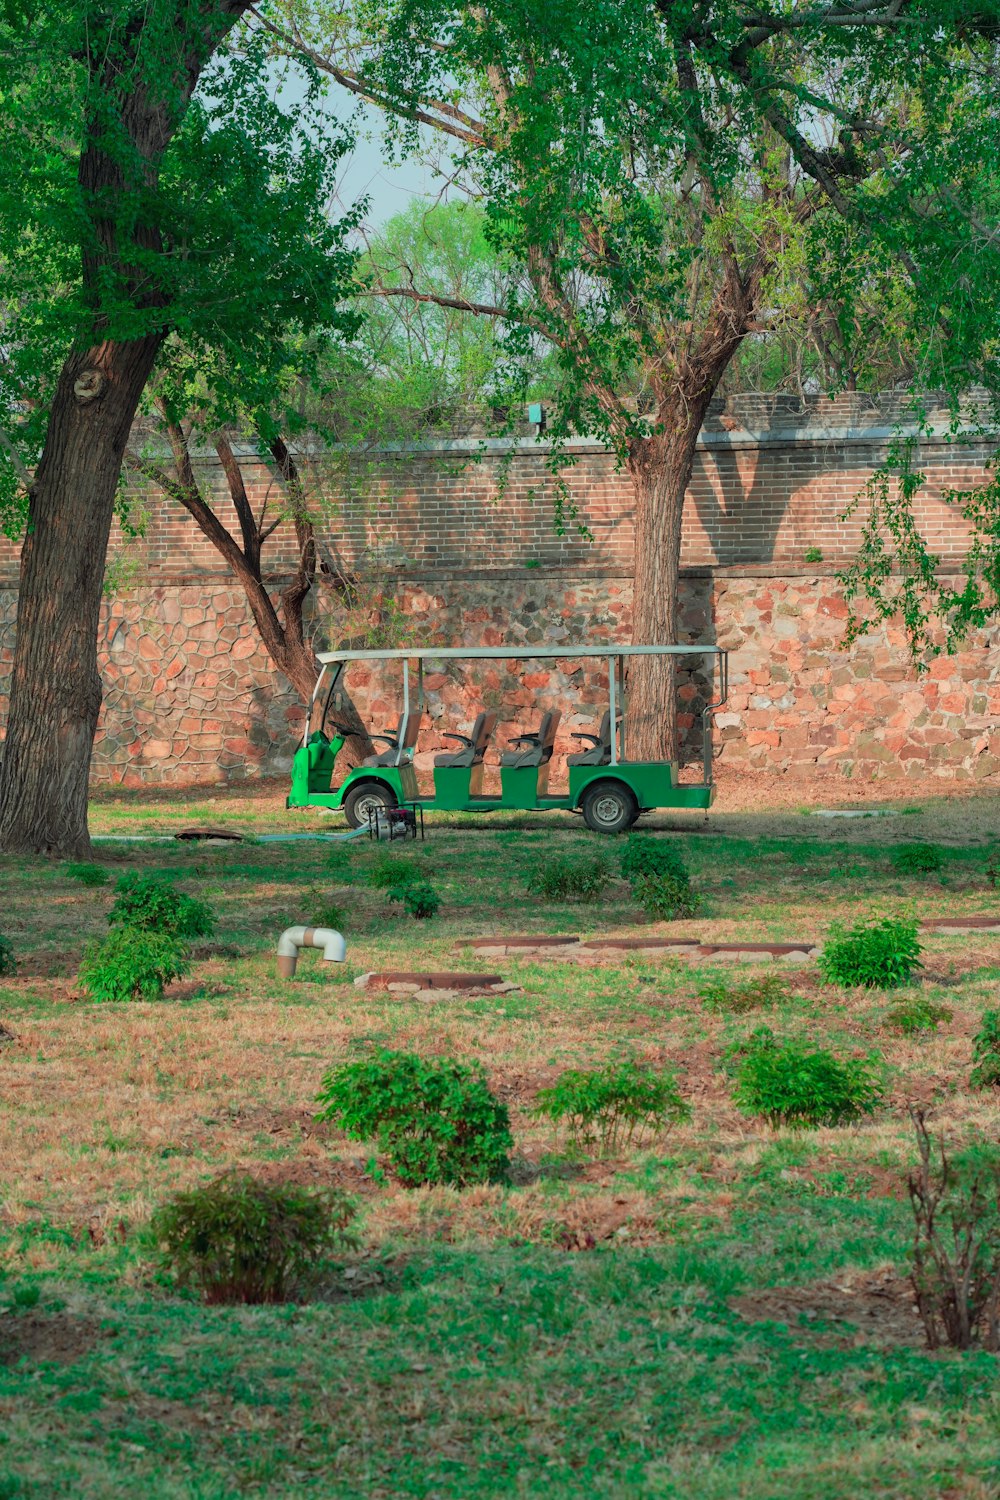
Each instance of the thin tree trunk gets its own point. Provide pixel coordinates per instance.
(55, 695)
(660, 467)
(281, 625)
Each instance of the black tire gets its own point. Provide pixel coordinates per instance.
(362, 796)
(609, 807)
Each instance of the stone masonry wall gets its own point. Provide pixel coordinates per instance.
(190, 694)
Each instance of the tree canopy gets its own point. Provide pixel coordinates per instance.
(677, 179)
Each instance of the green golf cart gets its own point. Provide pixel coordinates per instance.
(604, 785)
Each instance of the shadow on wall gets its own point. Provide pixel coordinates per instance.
(697, 684)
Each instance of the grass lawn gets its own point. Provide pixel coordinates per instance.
(719, 1312)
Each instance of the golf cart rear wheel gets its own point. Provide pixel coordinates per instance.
(367, 796)
(609, 807)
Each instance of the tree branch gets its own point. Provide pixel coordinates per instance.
(16, 459)
(249, 528)
(445, 117)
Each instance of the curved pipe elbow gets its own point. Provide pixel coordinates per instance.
(295, 938)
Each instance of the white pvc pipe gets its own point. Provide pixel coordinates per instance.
(293, 938)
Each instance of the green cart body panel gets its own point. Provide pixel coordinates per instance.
(654, 784)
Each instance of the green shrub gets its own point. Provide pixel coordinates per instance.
(610, 1104)
(240, 1240)
(420, 899)
(322, 911)
(911, 1016)
(659, 878)
(986, 1052)
(133, 963)
(644, 855)
(152, 904)
(8, 962)
(387, 872)
(434, 1118)
(918, 859)
(561, 876)
(88, 874)
(665, 897)
(879, 955)
(956, 1245)
(751, 994)
(790, 1085)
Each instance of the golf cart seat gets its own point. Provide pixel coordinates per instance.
(599, 753)
(474, 744)
(399, 746)
(537, 747)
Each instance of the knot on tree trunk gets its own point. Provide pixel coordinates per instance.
(88, 386)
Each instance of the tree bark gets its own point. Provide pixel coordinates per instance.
(55, 695)
(660, 467)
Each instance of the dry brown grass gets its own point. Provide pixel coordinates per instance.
(109, 1109)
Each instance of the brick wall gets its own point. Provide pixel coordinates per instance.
(191, 696)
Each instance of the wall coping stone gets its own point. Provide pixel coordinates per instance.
(948, 568)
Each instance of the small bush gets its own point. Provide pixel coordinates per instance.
(240, 1240)
(986, 1053)
(8, 962)
(388, 873)
(88, 874)
(644, 855)
(880, 955)
(659, 879)
(918, 859)
(610, 1104)
(434, 1118)
(133, 964)
(152, 904)
(752, 994)
(562, 877)
(322, 911)
(813, 554)
(420, 899)
(790, 1085)
(956, 1243)
(665, 897)
(911, 1016)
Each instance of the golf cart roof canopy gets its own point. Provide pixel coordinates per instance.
(510, 653)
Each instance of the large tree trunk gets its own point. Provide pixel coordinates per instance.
(141, 78)
(55, 694)
(660, 467)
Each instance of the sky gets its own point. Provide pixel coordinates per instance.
(390, 189)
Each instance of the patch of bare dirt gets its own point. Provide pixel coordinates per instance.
(873, 1307)
(48, 1338)
(42, 966)
(289, 1121)
(328, 1172)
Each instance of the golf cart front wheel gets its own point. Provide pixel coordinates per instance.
(367, 796)
(609, 807)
